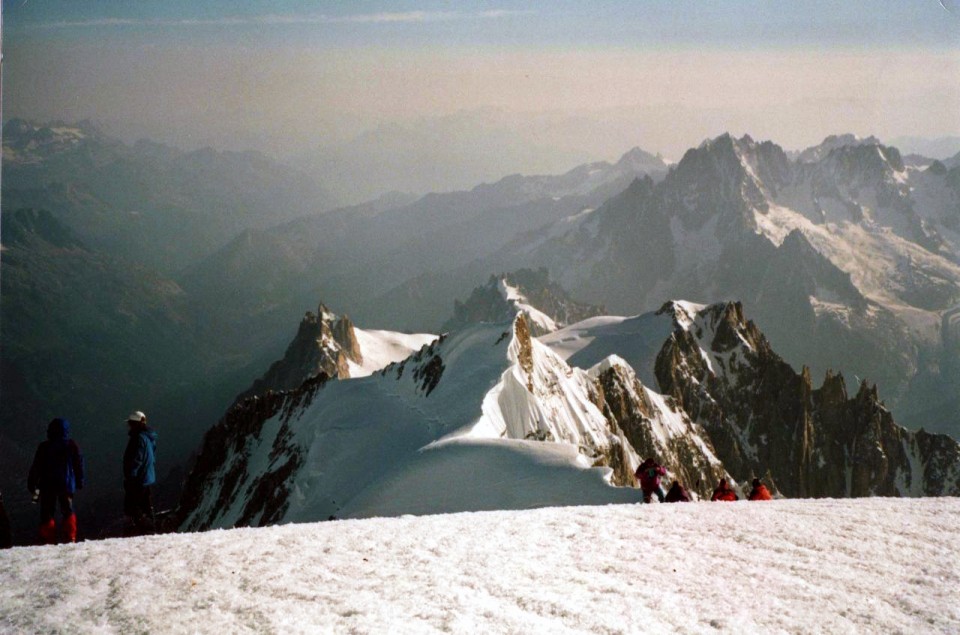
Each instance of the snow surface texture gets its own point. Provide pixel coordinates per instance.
(836, 566)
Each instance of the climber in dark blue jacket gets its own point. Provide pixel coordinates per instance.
(55, 475)
(139, 474)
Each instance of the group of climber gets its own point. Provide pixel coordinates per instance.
(57, 473)
(650, 472)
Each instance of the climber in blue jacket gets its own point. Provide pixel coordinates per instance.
(139, 474)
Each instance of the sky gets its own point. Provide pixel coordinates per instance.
(560, 81)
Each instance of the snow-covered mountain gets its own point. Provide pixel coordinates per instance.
(763, 418)
(489, 396)
(815, 153)
(583, 179)
(849, 258)
(462, 423)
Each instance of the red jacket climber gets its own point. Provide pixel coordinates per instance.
(649, 474)
(759, 491)
(724, 493)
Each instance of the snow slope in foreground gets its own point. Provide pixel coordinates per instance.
(838, 566)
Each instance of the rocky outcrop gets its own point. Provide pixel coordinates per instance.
(654, 426)
(762, 416)
(507, 294)
(324, 343)
(224, 475)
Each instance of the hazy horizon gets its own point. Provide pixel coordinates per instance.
(454, 96)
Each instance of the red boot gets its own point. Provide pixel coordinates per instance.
(69, 528)
(48, 533)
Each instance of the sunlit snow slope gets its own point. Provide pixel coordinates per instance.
(851, 566)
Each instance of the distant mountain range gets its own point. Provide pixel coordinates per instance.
(849, 260)
(935, 148)
(148, 203)
(145, 277)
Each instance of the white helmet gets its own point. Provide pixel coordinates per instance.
(137, 416)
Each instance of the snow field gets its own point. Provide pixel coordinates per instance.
(380, 348)
(838, 566)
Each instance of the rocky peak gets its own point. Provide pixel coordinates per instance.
(641, 161)
(526, 291)
(720, 327)
(325, 342)
(727, 177)
(834, 389)
(762, 416)
(814, 154)
(653, 425)
(26, 142)
(864, 163)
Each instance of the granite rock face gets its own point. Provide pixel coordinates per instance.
(654, 426)
(234, 454)
(764, 418)
(325, 343)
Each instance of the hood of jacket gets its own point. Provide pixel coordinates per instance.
(58, 429)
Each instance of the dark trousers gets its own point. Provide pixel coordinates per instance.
(648, 495)
(48, 505)
(6, 535)
(138, 505)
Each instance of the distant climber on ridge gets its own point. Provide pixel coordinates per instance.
(139, 474)
(724, 492)
(759, 491)
(677, 494)
(55, 475)
(649, 474)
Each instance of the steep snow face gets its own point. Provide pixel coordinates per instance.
(893, 272)
(620, 354)
(323, 446)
